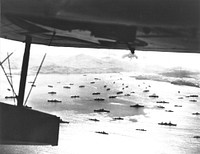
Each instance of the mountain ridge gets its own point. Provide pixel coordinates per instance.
(82, 63)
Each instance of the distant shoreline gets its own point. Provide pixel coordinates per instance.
(180, 82)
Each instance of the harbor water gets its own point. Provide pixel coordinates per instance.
(127, 129)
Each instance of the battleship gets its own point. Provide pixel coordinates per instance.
(167, 124)
(102, 110)
(137, 106)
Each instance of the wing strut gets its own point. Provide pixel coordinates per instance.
(34, 80)
(24, 70)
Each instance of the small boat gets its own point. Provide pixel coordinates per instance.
(196, 113)
(10, 97)
(81, 86)
(137, 106)
(180, 97)
(146, 91)
(52, 92)
(177, 105)
(71, 84)
(127, 95)
(161, 107)
(75, 96)
(96, 93)
(193, 100)
(120, 92)
(97, 79)
(61, 121)
(153, 96)
(126, 87)
(167, 124)
(169, 111)
(112, 96)
(105, 86)
(102, 110)
(193, 96)
(141, 129)
(28, 107)
(92, 82)
(197, 137)
(96, 120)
(50, 86)
(102, 132)
(132, 92)
(67, 87)
(118, 118)
(99, 99)
(163, 102)
(54, 101)
(108, 89)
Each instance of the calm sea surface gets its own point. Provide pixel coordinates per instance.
(124, 136)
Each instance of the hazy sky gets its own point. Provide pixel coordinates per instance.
(186, 61)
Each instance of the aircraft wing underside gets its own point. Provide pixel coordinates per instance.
(91, 34)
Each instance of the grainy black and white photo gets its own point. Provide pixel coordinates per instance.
(99, 76)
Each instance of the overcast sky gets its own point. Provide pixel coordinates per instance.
(183, 60)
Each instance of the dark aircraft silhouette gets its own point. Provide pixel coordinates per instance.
(151, 25)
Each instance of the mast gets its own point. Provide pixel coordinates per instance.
(24, 70)
(1, 64)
